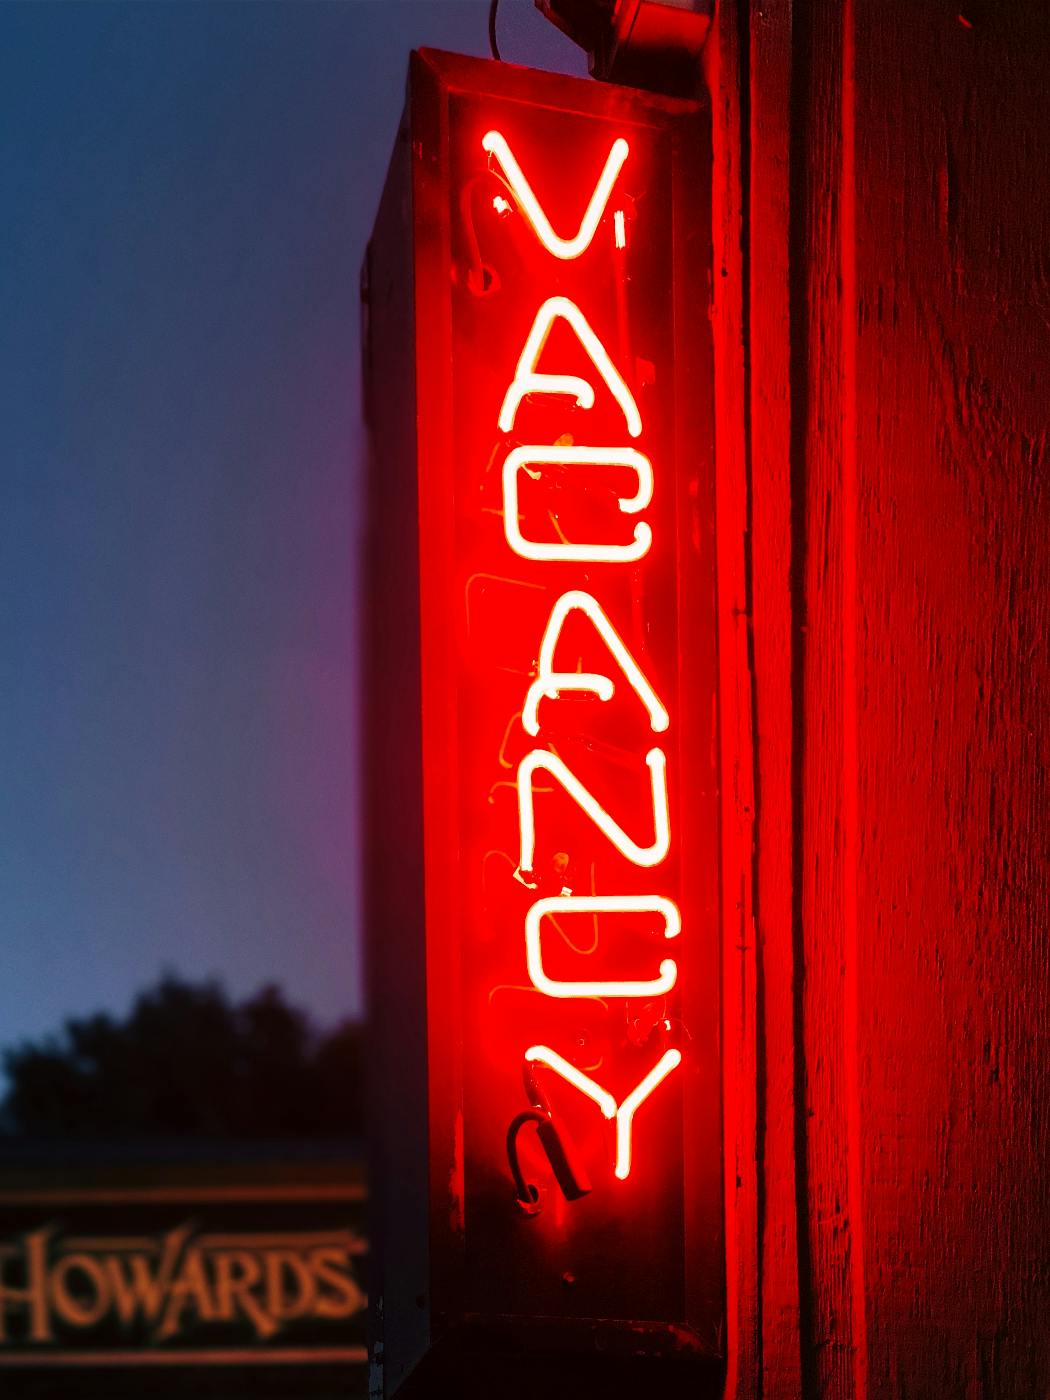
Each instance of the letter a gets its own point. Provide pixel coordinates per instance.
(527, 381)
(550, 683)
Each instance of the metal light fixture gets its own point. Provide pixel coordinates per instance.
(652, 44)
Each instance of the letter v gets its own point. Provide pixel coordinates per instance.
(565, 248)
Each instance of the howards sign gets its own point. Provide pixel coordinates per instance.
(169, 1272)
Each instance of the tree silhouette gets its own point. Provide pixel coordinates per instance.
(187, 1063)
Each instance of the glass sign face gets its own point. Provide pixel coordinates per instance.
(567, 604)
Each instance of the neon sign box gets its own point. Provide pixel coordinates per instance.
(541, 735)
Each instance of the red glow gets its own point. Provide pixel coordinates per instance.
(620, 229)
(624, 1112)
(527, 381)
(668, 1061)
(522, 458)
(581, 813)
(601, 904)
(569, 248)
(567, 599)
(546, 464)
(541, 761)
(550, 683)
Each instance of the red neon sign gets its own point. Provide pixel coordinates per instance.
(567, 685)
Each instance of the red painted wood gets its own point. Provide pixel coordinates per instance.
(951, 624)
(770, 408)
(724, 67)
(883, 423)
(834, 1354)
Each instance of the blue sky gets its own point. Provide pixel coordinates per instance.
(187, 192)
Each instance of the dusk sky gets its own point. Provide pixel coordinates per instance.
(188, 189)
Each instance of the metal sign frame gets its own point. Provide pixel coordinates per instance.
(426, 1318)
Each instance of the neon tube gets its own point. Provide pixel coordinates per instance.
(624, 1114)
(523, 457)
(549, 683)
(544, 1055)
(527, 381)
(645, 856)
(601, 904)
(670, 1060)
(565, 248)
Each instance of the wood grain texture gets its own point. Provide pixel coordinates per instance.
(834, 1354)
(723, 64)
(768, 240)
(952, 532)
(891, 177)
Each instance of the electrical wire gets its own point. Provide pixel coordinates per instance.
(493, 41)
(527, 1195)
